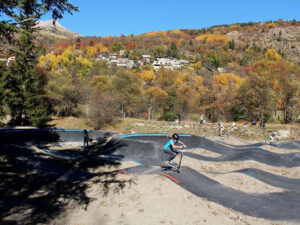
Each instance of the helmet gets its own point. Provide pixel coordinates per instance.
(175, 136)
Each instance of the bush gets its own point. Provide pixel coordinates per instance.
(169, 116)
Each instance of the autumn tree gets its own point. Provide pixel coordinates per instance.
(103, 108)
(63, 92)
(282, 78)
(184, 100)
(254, 100)
(116, 46)
(148, 77)
(155, 100)
(271, 54)
(127, 88)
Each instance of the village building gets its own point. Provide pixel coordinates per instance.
(168, 63)
(221, 70)
(146, 59)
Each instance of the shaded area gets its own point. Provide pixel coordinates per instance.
(37, 187)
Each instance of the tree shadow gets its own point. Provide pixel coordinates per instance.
(37, 187)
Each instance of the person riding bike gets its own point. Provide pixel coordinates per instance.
(273, 138)
(220, 128)
(172, 149)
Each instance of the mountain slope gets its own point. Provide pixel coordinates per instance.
(57, 30)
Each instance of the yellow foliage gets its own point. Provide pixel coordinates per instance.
(147, 75)
(157, 94)
(104, 49)
(49, 61)
(177, 32)
(64, 59)
(213, 38)
(276, 85)
(85, 66)
(99, 82)
(180, 78)
(155, 33)
(225, 79)
(91, 51)
(182, 41)
(197, 65)
(84, 62)
(234, 27)
(272, 54)
(198, 81)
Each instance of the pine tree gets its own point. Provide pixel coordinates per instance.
(23, 85)
(13, 96)
(2, 71)
(231, 44)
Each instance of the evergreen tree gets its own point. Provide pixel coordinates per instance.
(13, 96)
(173, 51)
(22, 84)
(2, 71)
(231, 44)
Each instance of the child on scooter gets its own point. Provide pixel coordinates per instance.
(172, 149)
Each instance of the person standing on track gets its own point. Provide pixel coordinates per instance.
(201, 119)
(85, 139)
(172, 149)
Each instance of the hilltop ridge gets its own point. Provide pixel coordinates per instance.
(56, 31)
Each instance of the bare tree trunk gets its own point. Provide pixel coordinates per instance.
(149, 113)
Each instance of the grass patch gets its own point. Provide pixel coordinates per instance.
(125, 125)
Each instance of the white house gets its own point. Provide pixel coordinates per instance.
(168, 63)
(146, 58)
(221, 70)
(126, 63)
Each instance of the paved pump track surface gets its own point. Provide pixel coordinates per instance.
(145, 151)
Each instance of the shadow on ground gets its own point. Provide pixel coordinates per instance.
(37, 187)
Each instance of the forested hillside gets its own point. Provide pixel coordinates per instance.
(229, 72)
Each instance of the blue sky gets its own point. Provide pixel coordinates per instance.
(115, 17)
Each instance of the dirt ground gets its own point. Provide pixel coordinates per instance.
(154, 199)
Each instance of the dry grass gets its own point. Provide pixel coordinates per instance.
(209, 129)
(70, 123)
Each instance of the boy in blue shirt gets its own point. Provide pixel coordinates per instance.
(171, 149)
